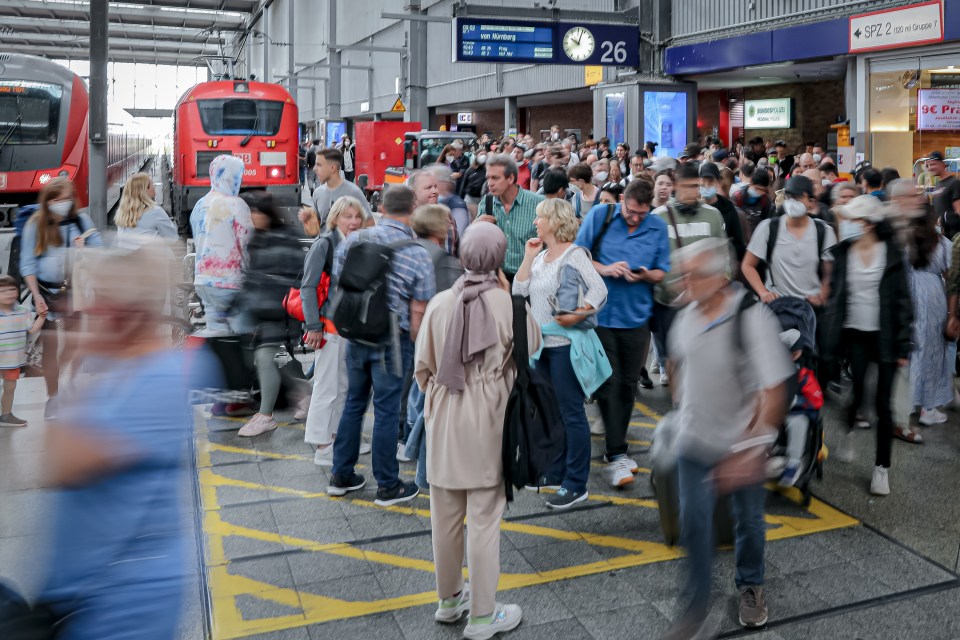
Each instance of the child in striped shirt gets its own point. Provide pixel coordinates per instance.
(15, 323)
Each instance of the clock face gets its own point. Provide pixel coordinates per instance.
(578, 43)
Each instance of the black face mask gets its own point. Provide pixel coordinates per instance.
(687, 209)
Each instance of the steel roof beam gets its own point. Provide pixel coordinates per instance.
(139, 57)
(124, 14)
(81, 27)
(116, 44)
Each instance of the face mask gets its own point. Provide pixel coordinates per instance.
(601, 176)
(825, 182)
(481, 159)
(708, 193)
(60, 208)
(794, 208)
(850, 230)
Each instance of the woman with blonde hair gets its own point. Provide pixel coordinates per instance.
(539, 278)
(55, 228)
(330, 350)
(139, 213)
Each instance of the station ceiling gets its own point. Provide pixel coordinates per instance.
(178, 32)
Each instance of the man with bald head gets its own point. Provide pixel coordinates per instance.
(805, 163)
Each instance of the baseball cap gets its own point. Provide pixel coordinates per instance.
(799, 185)
(720, 155)
(554, 180)
(661, 163)
(692, 150)
(709, 170)
(935, 155)
(865, 207)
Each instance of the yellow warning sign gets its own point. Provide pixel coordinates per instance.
(592, 75)
(398, 106)
(398, 140)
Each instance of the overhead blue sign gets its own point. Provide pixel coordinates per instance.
(491, 40)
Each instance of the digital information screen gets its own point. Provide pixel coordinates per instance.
(488, 40)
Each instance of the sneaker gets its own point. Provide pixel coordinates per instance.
(753, 607)
(543, 484)
(655, 368)
(403, 492)
(239, 409)
(302, 407)
(845, 452)
(257, 425)
(324, 455)
(645, 380)
(634, 467)
(401, 448)
(791, 473)
(50, 410)
(664, 379)
(930, 417)
(450, 610)
(341, 486)
(10, 420)
(619, 472)
(880, 484)
(565, 499)
(506, 617)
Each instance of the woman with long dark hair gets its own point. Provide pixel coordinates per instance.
(931, 371)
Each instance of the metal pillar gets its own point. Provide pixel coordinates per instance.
(267, 43)
(97, 126)
(509, 115)
(417, 110)
(333, 57)
(291, 63)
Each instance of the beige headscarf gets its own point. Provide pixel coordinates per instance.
(472, 329)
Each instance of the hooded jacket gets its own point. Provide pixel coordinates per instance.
(222, 226)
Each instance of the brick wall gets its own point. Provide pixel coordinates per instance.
(817, 106)
(577, 115)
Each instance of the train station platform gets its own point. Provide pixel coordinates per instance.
(276, 558)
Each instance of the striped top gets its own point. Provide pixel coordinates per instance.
(14, 325)
(516, 225)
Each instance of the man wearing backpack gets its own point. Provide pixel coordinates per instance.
(384, 281)
(631, 250)
(794, 249)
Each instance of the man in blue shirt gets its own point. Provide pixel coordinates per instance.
(411, 284)
(631, 250)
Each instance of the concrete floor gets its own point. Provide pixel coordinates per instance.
(284, 561)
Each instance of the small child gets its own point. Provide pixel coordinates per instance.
(804, 410)
(15, 322)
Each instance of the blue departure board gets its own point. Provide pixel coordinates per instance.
(492, 40)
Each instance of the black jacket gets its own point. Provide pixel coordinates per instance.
(731, 220)
(896, 307)
(276, 265)
(472, 182)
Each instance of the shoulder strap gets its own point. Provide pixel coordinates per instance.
(745, 303)
(773, 232)
(488, 205)
(595, 247)
(520, 344)
(821, 236)
(673, 222)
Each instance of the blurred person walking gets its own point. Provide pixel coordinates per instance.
(275, 263)
(48, 237)
(539, 278)
(464, 366)
(119, 547)
(729, 372)
(330, 350)
(139, 213)
(869, 319)
(222, 227)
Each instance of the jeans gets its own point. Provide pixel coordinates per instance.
(697, 500)
(625, 351)
(660, 323)
(864, 349)
(221, 317)
(416, 448)
(573, 466)
(372, 368)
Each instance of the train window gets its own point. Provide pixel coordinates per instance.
(29, 112)
(239, 117)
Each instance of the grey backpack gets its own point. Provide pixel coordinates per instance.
(571, 291)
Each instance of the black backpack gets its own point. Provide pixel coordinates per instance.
(361, 312)
(533, 433)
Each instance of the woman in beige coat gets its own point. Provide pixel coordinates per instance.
(464, 365)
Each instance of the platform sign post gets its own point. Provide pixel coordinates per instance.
(99, 16)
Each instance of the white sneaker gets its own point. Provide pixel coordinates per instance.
(621, 473)
(654, 368)
(880, 484)
(451, 610)
(664, 379)
(324, 456)
(845, 451)
(256, 425)
(930, 417)
(506, 617)
(365, 446)
(634, 467)
(401, 456)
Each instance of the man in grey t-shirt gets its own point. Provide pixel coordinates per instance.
(332, 185)
(724, 387)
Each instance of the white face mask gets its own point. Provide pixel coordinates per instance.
(850, 230)
(708, 193)
(60, 208)
(794, 208)
(601, 176)
(481, 159)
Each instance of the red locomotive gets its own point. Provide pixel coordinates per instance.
(43, 134)
(255, 121)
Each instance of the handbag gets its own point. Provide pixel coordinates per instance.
(571, 291)
(58, 301)
(293, 303)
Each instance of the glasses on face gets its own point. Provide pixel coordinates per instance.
(634, 213)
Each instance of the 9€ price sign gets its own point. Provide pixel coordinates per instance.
(938, 109)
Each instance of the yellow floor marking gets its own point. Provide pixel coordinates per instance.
(644, 425)
(639, 443)
(647, 411)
